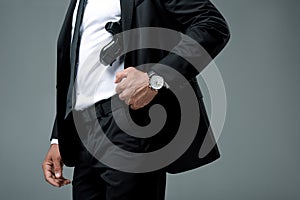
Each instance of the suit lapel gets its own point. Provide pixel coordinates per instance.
(126, 13)
(64, 38)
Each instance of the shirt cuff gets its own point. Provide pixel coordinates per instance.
(54, 141)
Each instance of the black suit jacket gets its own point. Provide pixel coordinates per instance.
(198, 19)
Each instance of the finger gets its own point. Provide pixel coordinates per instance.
(59, 182)
(56, 182)
(121, 97)
(136, 106)
(133, 107)
(57, 167)
(139, 104)
(67, 181)
(132, 102)
(63, 181)
(120, 76)
(53, 182)
(124, 97)
(49, 175)
(142, 98)
(129, 101)
(120, 88)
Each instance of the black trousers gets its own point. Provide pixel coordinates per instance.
(93, 180)
(90, 183)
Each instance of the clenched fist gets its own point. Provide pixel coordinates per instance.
(133, 88)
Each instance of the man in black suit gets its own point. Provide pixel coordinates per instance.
(76, 137)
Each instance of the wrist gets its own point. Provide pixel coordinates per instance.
(54, 141)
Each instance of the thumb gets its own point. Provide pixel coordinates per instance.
(57, 167)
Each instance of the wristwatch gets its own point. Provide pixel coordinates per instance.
(156, 82)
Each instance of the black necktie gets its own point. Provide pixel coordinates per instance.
(74, 50)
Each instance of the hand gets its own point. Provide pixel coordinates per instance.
(52, 167)
(133, 88)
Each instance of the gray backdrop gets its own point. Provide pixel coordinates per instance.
(260, 68)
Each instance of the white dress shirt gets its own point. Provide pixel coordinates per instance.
(94, 81)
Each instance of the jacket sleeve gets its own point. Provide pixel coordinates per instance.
(54, 134)
(204, 24)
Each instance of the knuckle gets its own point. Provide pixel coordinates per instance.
(121, 96)
(57, 158)
(121, 87)
(118, 89)
(130, 101)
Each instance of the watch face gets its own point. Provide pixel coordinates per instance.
(156, 82)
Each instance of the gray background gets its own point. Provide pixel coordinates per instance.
(260, 68)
